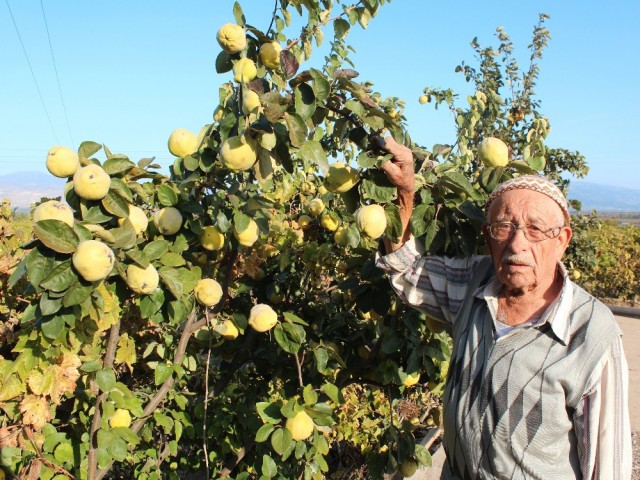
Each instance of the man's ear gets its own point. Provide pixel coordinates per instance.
(563, 240)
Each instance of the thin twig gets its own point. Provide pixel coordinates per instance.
(206, 399)
(273, 16)
(51, 465)
(299, 365)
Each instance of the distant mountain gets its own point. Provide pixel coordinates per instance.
(604, 198)
(25, 188)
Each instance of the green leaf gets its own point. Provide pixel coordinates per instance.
(106, 379)
(167, 195)
(60, 278)
(263, 432)
(91, 366)
(124, 238)
(171, 259)
(289, 336)
(162, 373)
(305, 100)
(309, 395)
(118, 185)
(118, 449)
(332, 392)
(269, 467)
(223, 62)
(48, 305)
(56, 235)
(341, 28)
(95, 215)
(52, 328)
(312, 151)
(241, 221)
(421, 218)
(118, 164)
(154, 250)
(269, 412)
(322, 357)
(321, 86)
(293, 318)
(422, 455)
(115, 204)
(378, 192)
(77, 293)
(297, 129)
(63, 453)
(127, 435)
(471, 211)
(88, 148)
(139, 257)
(281, 440)
(238, 15)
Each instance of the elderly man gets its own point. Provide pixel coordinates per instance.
(537, 386)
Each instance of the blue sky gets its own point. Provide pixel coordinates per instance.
(132, 71)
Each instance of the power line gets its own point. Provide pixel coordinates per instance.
(64, 107)
(24, 50)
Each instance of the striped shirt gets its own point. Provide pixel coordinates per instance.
(544, 400)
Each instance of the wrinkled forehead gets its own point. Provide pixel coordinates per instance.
(524, 206)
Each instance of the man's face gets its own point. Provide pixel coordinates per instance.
(522, 265)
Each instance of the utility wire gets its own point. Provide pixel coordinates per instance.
(64, 107)
(24, 50)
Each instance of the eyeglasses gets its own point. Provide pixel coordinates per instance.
(502, 231)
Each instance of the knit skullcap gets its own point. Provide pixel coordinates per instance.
(537, 184)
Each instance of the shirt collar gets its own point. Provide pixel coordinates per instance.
(557, 314)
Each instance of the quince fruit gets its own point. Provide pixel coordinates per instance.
(424, 99)
(230, 330)
(138, 219)
(232, 38)
(62, 162)
(244, 70)
(270, 54)
(262, 318)
(142, 280)
(182, 142)
(371, 221)
(408, 467)
(411, 379)
(315, 207)
(249, 235)
(93, 260)
(238, 155)
(168, 220)
(300, 426)
(340, 237)
(53, 210)
(329, 222)
(434, 326)
(120, 418)
(208, 292)
(212, 238)
(91, 182)
(250, 101)
(304, 221)
(341, 178)
(493, 152)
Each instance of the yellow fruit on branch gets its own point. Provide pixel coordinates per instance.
(371, 221)
(138, 219)
(304, 221)
(238, 153)
(208, 292)
(249, 235)
(493, 152)
(93, 260)
(408, 467)
(329, 222)
(250, 101)
(91, 182)
(270, 54)
(232, 38)
(434, 326)
(411, 379)
(121, 418)
(262, 317)
(301, 426)
(142, 280)
(168, 220)
(340, 237)
(315, 207)
(230, 330)
(182, 142)
(341, 178)
(212, 238)
(62, 162)
(244, 70)
(53, 210)
(424, 99)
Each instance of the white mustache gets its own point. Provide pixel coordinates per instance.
(518, 259)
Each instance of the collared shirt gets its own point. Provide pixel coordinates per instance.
(575, 343)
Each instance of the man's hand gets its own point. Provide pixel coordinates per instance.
(399, 169)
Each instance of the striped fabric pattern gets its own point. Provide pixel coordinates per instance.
(519, 407)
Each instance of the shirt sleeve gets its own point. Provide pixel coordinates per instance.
(432, 284)
(603, 428)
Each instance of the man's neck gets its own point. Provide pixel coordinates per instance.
(518, 306)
